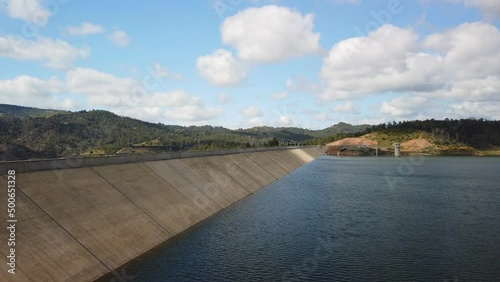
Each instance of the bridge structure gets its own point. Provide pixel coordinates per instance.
(353, 150)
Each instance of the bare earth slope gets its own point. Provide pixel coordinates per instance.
(360, 141)
(415, 145)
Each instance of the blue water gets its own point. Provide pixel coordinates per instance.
(347, 219)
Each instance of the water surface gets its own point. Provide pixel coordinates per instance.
(348, 219)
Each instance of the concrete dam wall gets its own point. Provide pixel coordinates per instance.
(81, 223)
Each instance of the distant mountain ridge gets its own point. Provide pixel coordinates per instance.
(39, 133)
(31, 133)
(21, 111)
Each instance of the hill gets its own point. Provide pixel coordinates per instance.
(30, 133)
(21, 111)
(431, 137)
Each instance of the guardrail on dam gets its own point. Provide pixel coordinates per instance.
(79, 224)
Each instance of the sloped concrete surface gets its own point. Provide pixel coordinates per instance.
(78, 224)
(44, 250)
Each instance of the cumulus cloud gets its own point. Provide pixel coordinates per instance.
(469, 50)
(489, 110)
(102, 88)
(257, 121)
(31, 91)
(86, 28)
(301, 84)
(193, 113)
(119, 38)
(251, 112)
(490, 8)
(28, 10)
(284, 121)
(54, 53)
(460, 63)
(27, 86)
(481, 89)
(220, 68)
(97, 89)
(270, 34)
(365, 65)
(161, 72)
(404, 106)
(128, 97)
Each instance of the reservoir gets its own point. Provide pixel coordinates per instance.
(346, 219)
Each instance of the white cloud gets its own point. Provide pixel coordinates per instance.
(280, 96)
(481, 89)
(460, 63)
(257, 121)
(27, 86)
(86, 28)
(161, 72)
(322, 117)
(193, 113)
(176, 98)
(251, 112)
(284, 121)
(405, 106)
(28, 10)
(270, 34)
(490, 8)
(347, 107)
(469, 50)
(220, 68)
(123, 96)
(126, 96)
(54, 53)
(365, 65)
(301, 84)
(119, 38)
(102, 88)
(488, 110)
(31, 91)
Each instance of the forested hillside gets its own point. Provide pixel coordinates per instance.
(30, 133)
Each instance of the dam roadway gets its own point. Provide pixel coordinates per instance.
(79, 220)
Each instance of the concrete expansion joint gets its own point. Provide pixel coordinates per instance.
(162, 197)
(111, 184)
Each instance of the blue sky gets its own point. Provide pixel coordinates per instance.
(244, 63)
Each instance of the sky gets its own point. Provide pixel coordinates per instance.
(245, 63)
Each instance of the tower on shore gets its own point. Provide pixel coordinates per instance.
(397, 149)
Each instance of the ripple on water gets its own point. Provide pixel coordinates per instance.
(338, 219)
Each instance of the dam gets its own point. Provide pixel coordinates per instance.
(78, 220)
